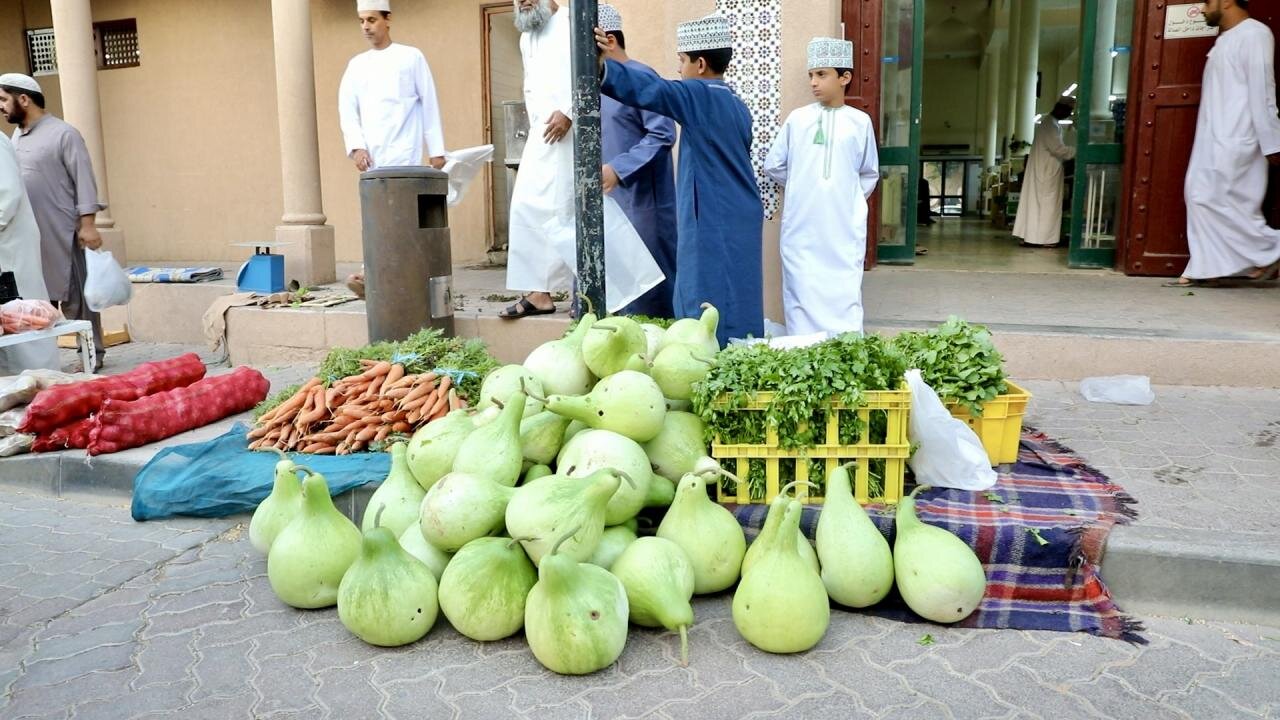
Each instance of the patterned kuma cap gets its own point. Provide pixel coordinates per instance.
(608, 18)
(830, 53)
(710, 33)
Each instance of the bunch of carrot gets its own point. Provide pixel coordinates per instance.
(355, 411)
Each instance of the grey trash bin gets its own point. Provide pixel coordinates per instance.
(408, 268)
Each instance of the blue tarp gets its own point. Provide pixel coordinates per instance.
(223, 477)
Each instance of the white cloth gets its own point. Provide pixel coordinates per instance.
(373, 6)
(18, 80)
(1227, 178)
(20, 253)
(1039, 220)
(462, 166)
(828, 162)
(387, 105)
(542, 199)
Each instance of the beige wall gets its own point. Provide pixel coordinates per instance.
(951, 102)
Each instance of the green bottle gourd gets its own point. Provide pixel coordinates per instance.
(857, 565)
(939, 576)
(463, 507)
(433, 448)
(310, 556)
(598, 449)
(658, 578)
(558, 364)
(387, 597)
(416, 545)
(575, 618)
(700, 333)
(627, 402)
(613, 542)
(537, 472)
(279, 508)
(772, 522)
(612, 344)
(542, 436)
(483, 590)
(781, 606)
(493, 451)
(541, 512)
(398, 499)
(708, 533)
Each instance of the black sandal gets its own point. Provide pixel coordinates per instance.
(523, 308)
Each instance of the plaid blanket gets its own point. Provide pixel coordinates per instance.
(144, 274)
(1031, 585)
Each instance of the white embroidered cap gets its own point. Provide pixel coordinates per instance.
(830, 53)
(18, 80)
(373, 6)
(709, 33)
(608, 18)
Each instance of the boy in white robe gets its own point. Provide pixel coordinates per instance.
(825, 155)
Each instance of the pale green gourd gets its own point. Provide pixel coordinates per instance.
(279, 508)
(677, 368)
(612, 344)
(628, 403)
(542, 436)
(613, 541)
(653, 337)
(483, 590)
(598, 449)
(543, 511)
(659, 580)
(507, 380)
(681, 448)
(857, 566)
(700, 333)
(707, 532)
(768, 533)
(463, 507)
(432, 448)
(309, 557)
(387, 597)
(781, 606)
(493, 451)
(661, 492)
(399, 497)
(938, 574)
(558, 364)
(535, 473)
(575, 617)
(416, 545)
(575, 427)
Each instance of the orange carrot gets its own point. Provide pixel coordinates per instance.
(394, 374)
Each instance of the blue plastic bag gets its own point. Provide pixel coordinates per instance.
(223, 477)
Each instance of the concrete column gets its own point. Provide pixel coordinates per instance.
(309, 258)
(1010, 85)
(1100, 103)
(78, 78)
(991, 118)
(1028, 63)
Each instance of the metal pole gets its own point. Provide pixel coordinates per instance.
(588, 191)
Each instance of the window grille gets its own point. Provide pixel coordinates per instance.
(41, 55)
(117, 44)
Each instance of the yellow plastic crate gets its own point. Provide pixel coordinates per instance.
(895, 404)
(1000, 427)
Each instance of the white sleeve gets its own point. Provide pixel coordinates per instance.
(349, 112)
(869, 173)
(775, 163)
(433, 129)
(1260, 74)
(1051, 134)
(11, 190)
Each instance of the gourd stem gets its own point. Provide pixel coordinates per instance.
(705, 305)
(793, 483)
(919, 488)
(564, 537)
(529, 393)
(519, 540)
(590, 307)
(626, 477)
(605, 328)
(684, 646)
(304, 469)
(279, 452)
(377, 518)
(717, 470)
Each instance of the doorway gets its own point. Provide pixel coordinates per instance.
(504, 85)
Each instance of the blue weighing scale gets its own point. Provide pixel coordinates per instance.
(264, 271)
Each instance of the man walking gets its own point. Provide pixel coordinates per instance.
(387, 104)
(542, 199)
(64, 196)
(1039, 219)
(636, 145)
(1237, 134)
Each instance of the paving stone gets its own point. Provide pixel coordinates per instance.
(549, 689)
(727, 702)
(119, 633)
(1018, 687)
(43, 700)
(793, 676)
(284, 685)
(1204, 702)
(185, 601)
(349, 693)
(927, 710)
(835, 706)
(1111, 698)
(105, 658)
(1160, 669)
(149, 700)
(499, 670)
(878, 688)
(574, 710)
(1251, 685)
(987, 650)
(641, 694)
(166, 659)
(201, 616)
(1076, 659)
(931, 677)
(223, 670)
(416, 699)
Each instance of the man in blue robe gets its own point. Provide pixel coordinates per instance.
(636, 146)
(720, 215)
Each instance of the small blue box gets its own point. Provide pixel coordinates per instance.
(263, 273)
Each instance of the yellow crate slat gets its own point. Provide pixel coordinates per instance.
(1000, 427)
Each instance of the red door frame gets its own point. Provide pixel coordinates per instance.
(862, 24)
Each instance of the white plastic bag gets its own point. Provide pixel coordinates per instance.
(462, 167)
(106, 284)
(1118, 390)
(629, 268)
(948, 453)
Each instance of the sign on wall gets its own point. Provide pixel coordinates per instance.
(1186, 21)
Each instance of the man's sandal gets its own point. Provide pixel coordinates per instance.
(523, 308)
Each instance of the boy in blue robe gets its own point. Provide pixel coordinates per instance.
(720, 221)
(636, 146)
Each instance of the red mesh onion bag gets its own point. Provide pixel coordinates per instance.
(63, 405)
(128, 424)
(75, 435)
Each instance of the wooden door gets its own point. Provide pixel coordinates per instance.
(862, 25)
(1164, 89)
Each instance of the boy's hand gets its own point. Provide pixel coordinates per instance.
(608, 47)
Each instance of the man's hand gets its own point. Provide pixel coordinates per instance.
(437, 162)
(608, 45)
(362, 160)
(557, 127)
(88, 233)
(610, 179)
(1274, 158)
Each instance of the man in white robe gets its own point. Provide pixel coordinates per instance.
(387, 106)
(1039, 220)
(20, 254)
(1237, 134)
(826, 157)
(542, 201)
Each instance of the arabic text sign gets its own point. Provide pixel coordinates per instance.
(1186, 21)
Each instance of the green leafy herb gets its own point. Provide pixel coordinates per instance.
(1035, 533)
(958, 360)
(993, 497)
(925, 640)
